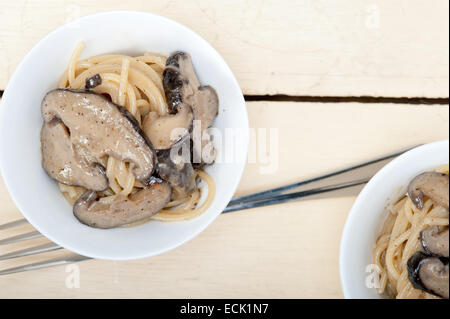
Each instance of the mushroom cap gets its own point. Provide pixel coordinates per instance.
(101, 128)
(165, 131)
(430, 274)
(181, 85)
(174, 88)
(65, 163)
(93, 81)
(432, 184)
(122, 209)
(206, 106)
(435, 240)
(175, 167)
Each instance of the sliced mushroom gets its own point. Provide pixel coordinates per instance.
(432, 184)
(177, 170)
(176, 59)
(122, 210)
(206, 106)
(181, 85)
(64, 164)
(93, 81)
(176, 86)
(435, 240)
(101, 128)
(429, 274)
(164, 131)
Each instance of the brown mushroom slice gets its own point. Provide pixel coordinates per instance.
(177, 170)
(179, 79)
(179, 59)
(93, 81)
(181, 85)
(432, 184)
(206, 106)
(122, 210)
(102, 128)
(63, 163)
(429, 274)
(435, 240)
(165, 131)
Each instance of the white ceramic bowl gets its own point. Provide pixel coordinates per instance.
(366, 217)
(38, 197)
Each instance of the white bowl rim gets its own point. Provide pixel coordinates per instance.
(243, 154)
(353, 214)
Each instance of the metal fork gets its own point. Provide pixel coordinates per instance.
(348, 181)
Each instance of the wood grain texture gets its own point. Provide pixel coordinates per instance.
(285, 251)
(321, 48)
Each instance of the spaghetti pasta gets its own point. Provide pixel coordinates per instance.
(400, 239)
(134, 83)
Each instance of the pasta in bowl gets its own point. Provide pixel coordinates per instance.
(113, 135)
(412, 250)
(401, 213)
(118, 72)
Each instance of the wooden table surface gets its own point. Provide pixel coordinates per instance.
(353, 80)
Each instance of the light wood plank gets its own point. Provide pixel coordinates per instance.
(289, 250)
(316, 138)
(321, 48)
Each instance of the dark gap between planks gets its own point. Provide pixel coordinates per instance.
(341, 99)
(346, 99)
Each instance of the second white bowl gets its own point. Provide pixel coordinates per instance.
(365, 219)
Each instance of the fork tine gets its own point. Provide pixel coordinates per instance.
(13, 224)
(31, 251)
(18, 238)
(44, 264)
